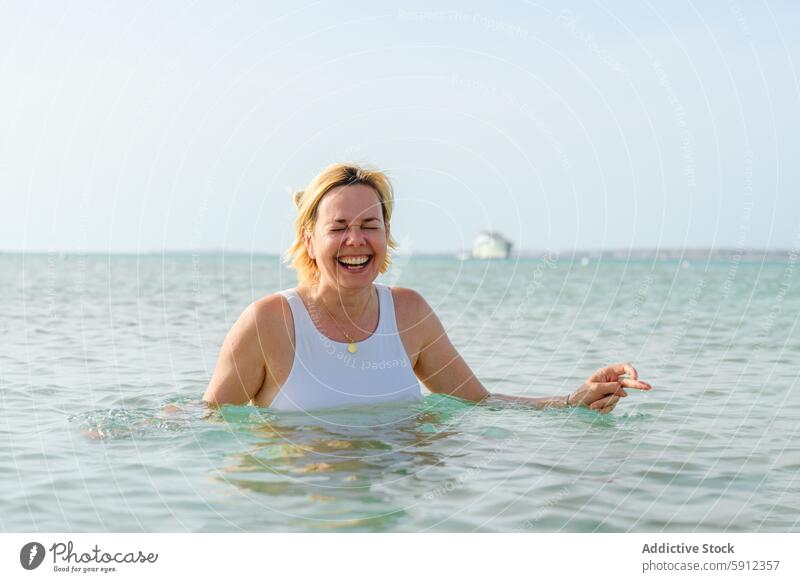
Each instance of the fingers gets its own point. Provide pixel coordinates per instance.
(605, 387)
(599, 390)
(608, 394)
(605, 402)
(624, 368)
(638, 384)
(600, 375)
(613, 372)
(631, 371)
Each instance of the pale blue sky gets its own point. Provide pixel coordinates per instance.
(181, 125)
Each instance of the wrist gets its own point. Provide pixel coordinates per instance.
(566, 401)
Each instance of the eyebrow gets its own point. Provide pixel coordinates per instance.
(365, 220)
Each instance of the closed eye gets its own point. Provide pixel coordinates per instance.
(362, 228)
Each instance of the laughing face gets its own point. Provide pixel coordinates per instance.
(349, 240)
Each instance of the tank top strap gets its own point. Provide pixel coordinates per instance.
(291, 297)
(302, 318)
(388, 323)
(287, 293)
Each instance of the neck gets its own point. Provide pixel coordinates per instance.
(347, 303)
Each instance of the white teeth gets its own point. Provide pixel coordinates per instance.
(354, 260)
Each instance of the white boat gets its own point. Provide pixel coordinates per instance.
(491, 245)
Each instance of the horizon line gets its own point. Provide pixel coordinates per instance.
(673, 251)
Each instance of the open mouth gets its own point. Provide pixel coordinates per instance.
(354, 264)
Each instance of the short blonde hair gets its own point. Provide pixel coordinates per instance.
(308, 201)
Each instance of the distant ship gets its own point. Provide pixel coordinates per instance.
(490, 245)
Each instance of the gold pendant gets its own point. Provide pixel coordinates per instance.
(351, 347)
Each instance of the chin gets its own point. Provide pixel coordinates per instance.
(362, 280)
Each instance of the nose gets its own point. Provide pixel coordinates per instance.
(355, 236)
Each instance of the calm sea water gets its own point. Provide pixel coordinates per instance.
(94, 347)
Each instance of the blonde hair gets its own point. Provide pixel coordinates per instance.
(308, 201)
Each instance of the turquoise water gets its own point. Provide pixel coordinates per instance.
(95, 347)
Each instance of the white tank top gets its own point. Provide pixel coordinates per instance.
(325, 374)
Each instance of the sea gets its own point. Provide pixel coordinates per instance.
(105, 359)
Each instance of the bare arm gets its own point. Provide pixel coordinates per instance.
(442, 369)
(241, 367)
(439, 365)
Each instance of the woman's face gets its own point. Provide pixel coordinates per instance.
(349, 229)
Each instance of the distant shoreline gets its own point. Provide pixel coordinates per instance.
(691, 254)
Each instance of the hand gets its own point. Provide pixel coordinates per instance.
(603, 389)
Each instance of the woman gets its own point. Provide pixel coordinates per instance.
(340, 339)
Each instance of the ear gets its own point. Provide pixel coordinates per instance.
(309, 241)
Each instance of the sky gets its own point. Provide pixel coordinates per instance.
(159, 126)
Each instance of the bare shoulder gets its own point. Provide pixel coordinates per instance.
(262, 322)
(414, 314)
(269, 308)
(409, 301)
(270, 315)
(254, 344)
(267, 324)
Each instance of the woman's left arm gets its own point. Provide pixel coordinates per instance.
(442, 370)
(601, 391)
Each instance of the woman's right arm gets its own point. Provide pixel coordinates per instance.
(241, 365)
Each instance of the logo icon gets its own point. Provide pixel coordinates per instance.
(31, 555)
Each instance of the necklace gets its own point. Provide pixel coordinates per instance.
(351, 346)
